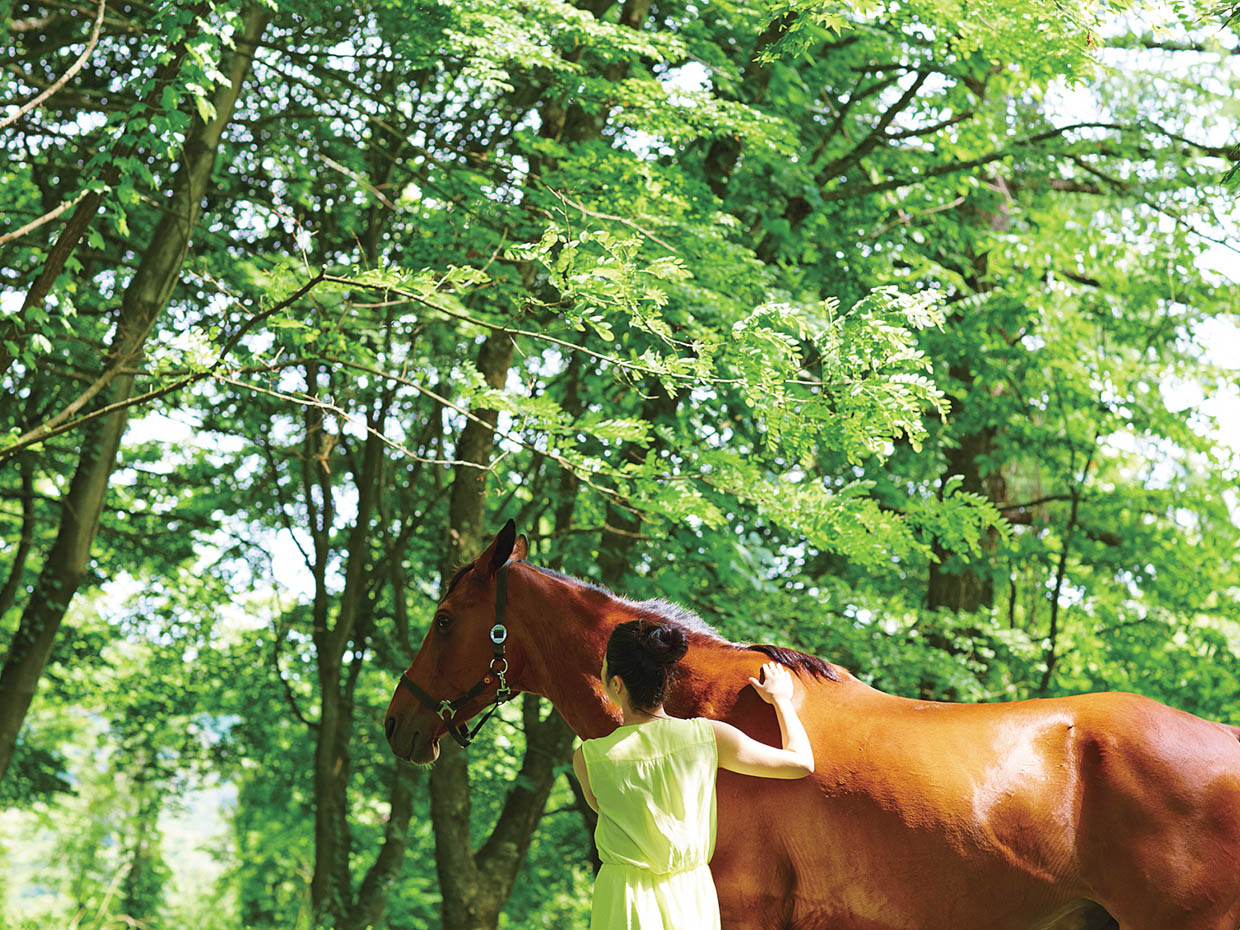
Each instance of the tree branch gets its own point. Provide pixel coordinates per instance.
(861, 190)
(9, 592)
(60, 423)
(45, 218)
(876, 135)
(64, 79)
(288, 690)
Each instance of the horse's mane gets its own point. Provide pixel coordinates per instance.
(666, 611)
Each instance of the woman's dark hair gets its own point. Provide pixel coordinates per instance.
(644, 654)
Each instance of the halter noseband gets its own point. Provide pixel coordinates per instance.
(497, 669)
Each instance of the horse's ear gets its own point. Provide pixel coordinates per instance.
(500, 549)
(521, 549)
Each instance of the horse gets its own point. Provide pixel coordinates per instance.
(1105, 810)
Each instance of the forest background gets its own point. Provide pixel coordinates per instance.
(904, 333)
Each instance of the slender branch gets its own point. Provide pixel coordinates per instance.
(935, 127)
(281, 498)
(313, 403)
(571, 346)
(61, 422)
(1049, 655)
(288, 690)
(606, 216)
(1034, 503)
(904, 219)
(444, 402)
(1152, 44)
(850, 192)
(45, 218)
(65, 78)
(360, 180)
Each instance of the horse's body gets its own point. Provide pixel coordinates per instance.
(919, 815)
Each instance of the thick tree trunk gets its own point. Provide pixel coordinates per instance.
(952, 584)
(145, 297)
(331, 892)
(476, 884)
(459, 880)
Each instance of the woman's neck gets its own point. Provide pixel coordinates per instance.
(630, 716)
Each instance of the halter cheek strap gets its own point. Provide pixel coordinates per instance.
(497, 670)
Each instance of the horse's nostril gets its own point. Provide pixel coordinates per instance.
(390, 726)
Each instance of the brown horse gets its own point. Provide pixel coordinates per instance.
(1096, 811)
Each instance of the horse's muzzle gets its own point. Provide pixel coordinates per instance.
(416, 746)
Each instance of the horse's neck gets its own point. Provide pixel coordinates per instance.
(711, 678)
(569, 628)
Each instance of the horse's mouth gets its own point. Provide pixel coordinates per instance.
(423, 752)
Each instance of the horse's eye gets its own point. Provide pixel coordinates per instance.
(442, 622)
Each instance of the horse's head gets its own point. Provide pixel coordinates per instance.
(461, 666)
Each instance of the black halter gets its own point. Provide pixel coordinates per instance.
(497, 669)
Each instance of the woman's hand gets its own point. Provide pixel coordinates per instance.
(776, 683)
(740, 753)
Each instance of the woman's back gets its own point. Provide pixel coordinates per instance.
(655, 786)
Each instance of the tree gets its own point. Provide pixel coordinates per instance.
(145, 297)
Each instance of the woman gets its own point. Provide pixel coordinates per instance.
(652, 781)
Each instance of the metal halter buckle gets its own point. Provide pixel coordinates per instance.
(499, 633)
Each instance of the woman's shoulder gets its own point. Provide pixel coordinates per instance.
(667, 734)
(682, 732)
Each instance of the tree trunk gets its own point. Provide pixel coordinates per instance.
(331, 892)
(145, 297)
(17, 330)
(954, 585)
(372, 896)
(459, 879)
(621, 528)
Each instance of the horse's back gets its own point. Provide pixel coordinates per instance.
(1160, 813)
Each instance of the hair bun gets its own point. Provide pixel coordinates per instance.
(664, 643)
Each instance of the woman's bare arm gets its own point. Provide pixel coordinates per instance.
(583, 776)
(748, 756)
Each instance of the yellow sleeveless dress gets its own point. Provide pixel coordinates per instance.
(655, 785)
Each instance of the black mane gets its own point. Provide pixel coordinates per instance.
(665, 611)
(801, 661)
